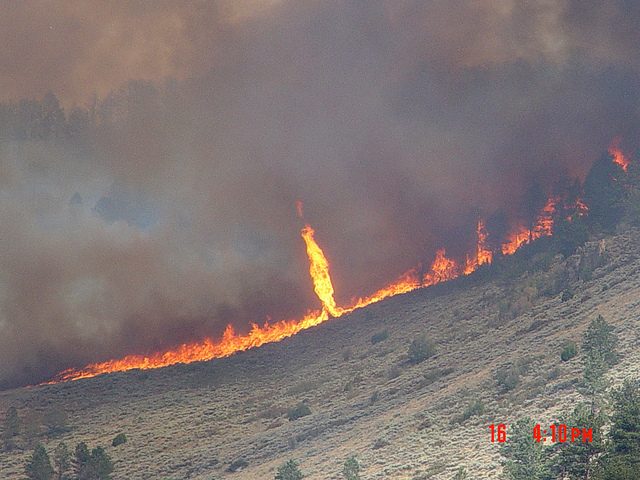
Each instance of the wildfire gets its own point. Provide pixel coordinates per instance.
(617, 154)
(483, 253)
(441, 270)
(319, 271)
(543, 227)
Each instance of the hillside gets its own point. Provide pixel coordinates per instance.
(400, 419)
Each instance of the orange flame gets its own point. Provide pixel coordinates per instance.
(483, 253)
(617, 154)
(441, 270)
(543, 227)
(319, 271)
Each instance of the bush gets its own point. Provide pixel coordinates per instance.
(119, 440)
(289, 471)
(379, 337)
(474, 408)
(237, 465)
(420, 349)
(569, 350)
(351, 469)
(299, 411)
(507, 379)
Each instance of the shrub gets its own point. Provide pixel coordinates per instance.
(289, 471)
(237, 465)
(119, 440)
(507, 378)
(569, 350)
(380, 443)
(299, 411)
(566, 296)
(461, 474)
(474, 408)
(420, 349)
(379, 337)
(351, 469)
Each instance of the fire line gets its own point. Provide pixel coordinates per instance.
(442, 269)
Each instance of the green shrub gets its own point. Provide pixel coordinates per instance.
(379, 337)
(289, 471)
(420, 349)
(351, 469)
(508, 376)
(569, 350)
(299, 411)
(119, 440)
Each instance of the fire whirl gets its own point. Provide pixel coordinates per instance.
(442, 269)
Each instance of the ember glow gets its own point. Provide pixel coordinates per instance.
(442, 269)
(618, 155)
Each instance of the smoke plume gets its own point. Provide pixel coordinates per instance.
(162, 206)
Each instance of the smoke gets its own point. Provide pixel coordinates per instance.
(170, 211)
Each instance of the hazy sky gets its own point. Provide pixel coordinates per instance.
(396, 123)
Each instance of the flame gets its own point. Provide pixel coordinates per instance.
(441, 270)
(617, 154)
(542, 227)
(483, 253)
(319, 271)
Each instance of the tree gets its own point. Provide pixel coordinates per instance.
(604, 193)
(351, 469)
(11, 429)
(579, 460)
(524, 458)
(100, 465)
(623, 460)
(599, 347)
(289, 471)
(38, 467)
(61, 461)
(81, 460)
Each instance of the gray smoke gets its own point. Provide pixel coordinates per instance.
(169, 210)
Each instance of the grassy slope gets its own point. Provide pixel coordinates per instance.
(193, 421)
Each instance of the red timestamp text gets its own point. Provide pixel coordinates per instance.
(555, 433)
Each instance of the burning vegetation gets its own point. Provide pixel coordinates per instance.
(558, 207)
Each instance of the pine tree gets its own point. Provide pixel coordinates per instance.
(604, 193)
(524, 458)
(623, 461)
(61, 461)
(289, 471)
(599, 348)
(39, 467)
(579, 460)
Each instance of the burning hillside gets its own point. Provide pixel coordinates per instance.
(441, 269)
